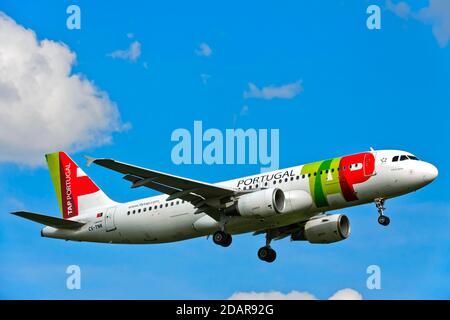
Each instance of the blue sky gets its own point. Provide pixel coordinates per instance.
(384, 88)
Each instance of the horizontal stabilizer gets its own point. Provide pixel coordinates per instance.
(49, 221)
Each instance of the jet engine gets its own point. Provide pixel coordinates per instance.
(262, 203)
(324, 229)
(297, 201)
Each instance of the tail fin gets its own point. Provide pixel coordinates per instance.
(75, 191)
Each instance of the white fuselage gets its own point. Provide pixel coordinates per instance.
(155, 220)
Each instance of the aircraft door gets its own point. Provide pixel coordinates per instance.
(369, 164)
(109, 219)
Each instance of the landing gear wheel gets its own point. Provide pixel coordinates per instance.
(384, 220)
(228, 240)
(222, 238)
(267, 254)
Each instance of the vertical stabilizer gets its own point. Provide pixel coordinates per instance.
(75, 191)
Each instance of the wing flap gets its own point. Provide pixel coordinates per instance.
(48, 220)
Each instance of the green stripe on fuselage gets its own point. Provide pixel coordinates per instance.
(322, 185)
(310, 168)
(331, 184)
(321, 178)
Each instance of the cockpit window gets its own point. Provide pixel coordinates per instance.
(403, 157)
(394, 159)
(413, 157)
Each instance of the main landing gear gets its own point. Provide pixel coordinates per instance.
(266, 253)
(382, 219)
(222, 238)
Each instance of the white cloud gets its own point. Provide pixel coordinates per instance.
(132, 53)
(204, 50)
(436, 14)
(344, 294)
(287, 91)
(43, 106)
(272, 295)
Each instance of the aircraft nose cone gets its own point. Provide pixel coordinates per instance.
(430, 173)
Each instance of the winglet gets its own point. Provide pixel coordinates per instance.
(89, 160)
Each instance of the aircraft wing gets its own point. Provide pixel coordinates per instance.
(204, 196)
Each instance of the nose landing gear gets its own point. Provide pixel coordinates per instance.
(382, 219)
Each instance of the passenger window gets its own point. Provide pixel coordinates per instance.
(134, 211)
(265, 184)
(145, 209)
(256, 186)
(167, 205)
(171, 204)
(309, 174)
(128, 213)
(160, 206)
(332, 170)
(178, 202)
(286, 180)
(274, 182)
(139, 211)
(298, 177)
(303, 176)
(402, 158)
(280, 181)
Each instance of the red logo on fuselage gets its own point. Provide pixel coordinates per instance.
(348, 178)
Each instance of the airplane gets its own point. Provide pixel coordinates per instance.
(292, 202)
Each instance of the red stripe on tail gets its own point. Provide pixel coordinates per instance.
(72, 186)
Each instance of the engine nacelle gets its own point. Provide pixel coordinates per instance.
(262, 203)
(297, 201)
(326, 229)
